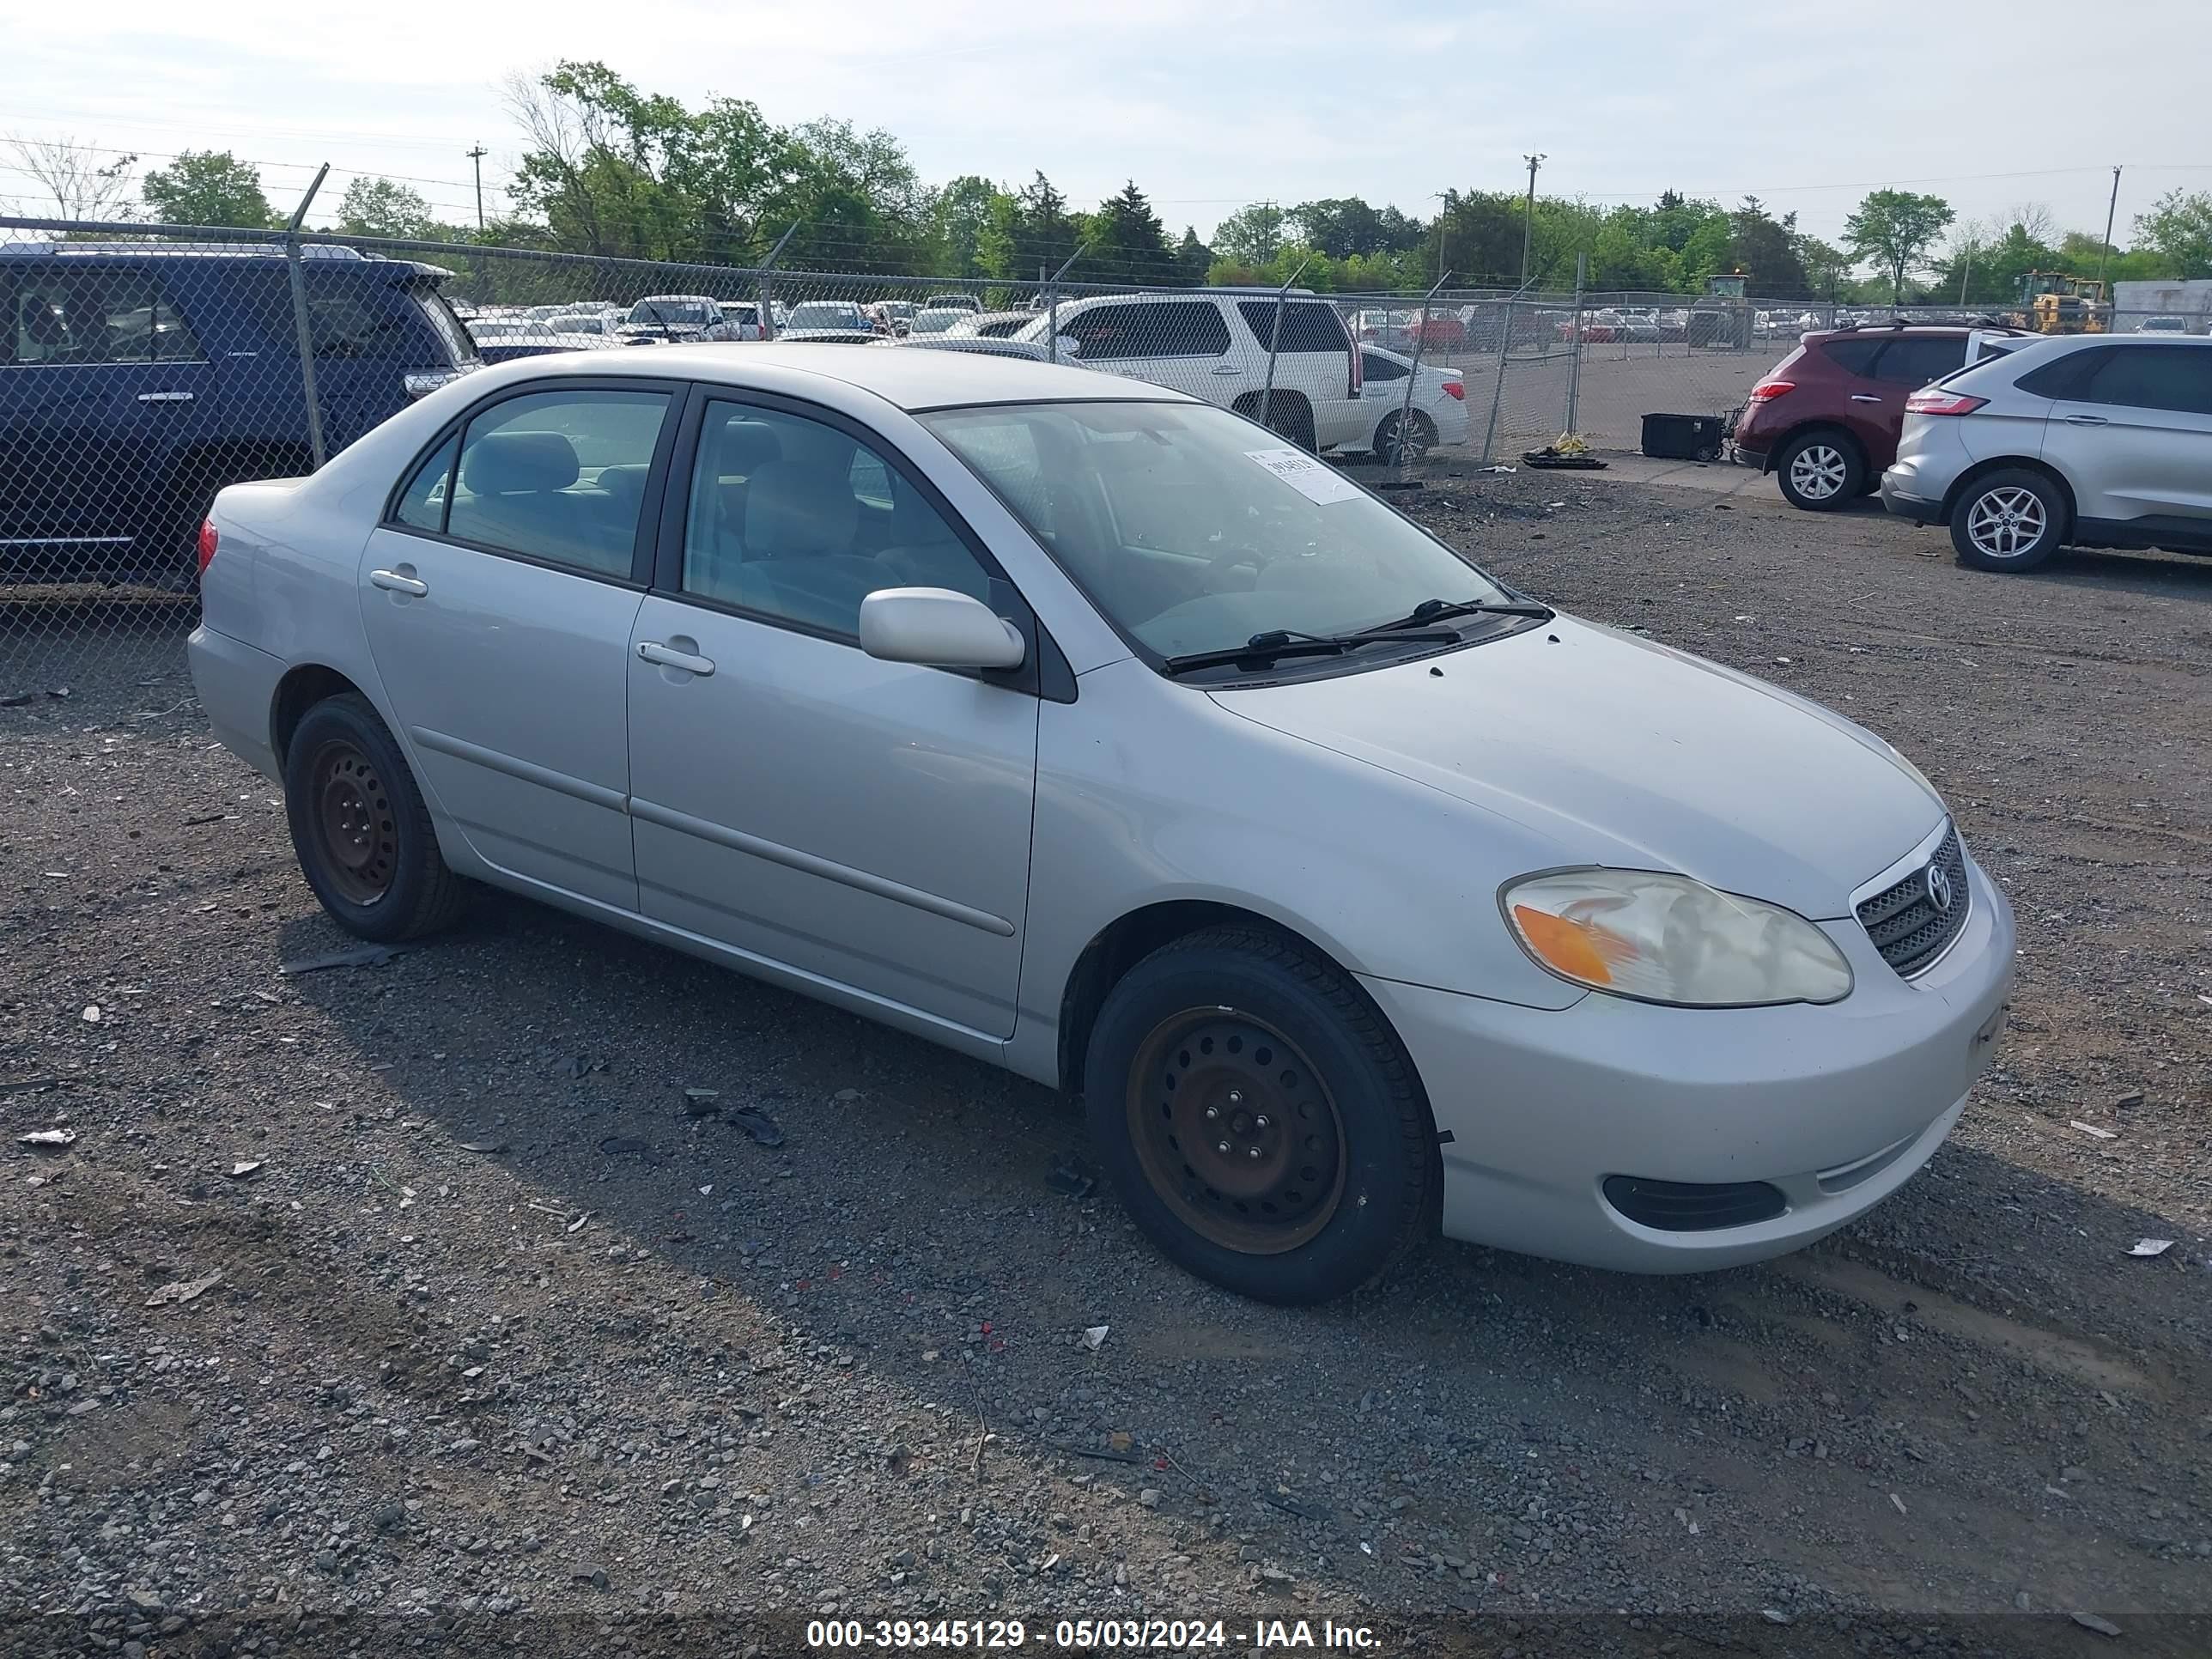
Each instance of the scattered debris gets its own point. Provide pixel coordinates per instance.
(846, 1096)
(1776, 1616)
(621, 1146)
(1899, 1502)
(360, 956)
(2151, 1246)
(245, 1170)
(2133, 1097)
(1102, 1453)
(91, 1014)
(2091, 1621)
(702, 1103)
(208, 817)
(1551, 456)
(1500, 467)
(2092, 1129)
(487, 1143)
(764, 1130)
(1094, 1337)
(18, 699)
(48, 1139)
(184, 1290)
(578, 1223)
(58, 693)
(1073, 1177)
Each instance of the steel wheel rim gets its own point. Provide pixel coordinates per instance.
(356, 828)
(1211, 1078)
(1816, 471)
(2005, 523)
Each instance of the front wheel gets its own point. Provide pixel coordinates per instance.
(2008, 521)
(1819, 471)
(1260, 1121)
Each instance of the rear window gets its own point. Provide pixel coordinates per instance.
(1308, 325)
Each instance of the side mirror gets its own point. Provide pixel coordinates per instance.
(937, 627)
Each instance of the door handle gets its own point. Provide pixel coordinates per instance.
(1227, 368)
(1865, 398)
(2086, 420)
(165, 396)
(392, 582)
(653, 650)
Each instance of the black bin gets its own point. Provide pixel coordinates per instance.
(1683, 437)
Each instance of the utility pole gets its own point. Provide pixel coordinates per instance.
(2111, 209)
(1528, 222)
(476, 156)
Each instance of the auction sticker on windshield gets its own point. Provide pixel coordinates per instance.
(1309, 478)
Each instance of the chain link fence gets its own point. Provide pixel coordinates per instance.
(144, 367)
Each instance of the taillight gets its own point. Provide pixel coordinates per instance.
(1767, 391)
(1357, 373)
(1936, 401)
(207, 544)
(1456, 390)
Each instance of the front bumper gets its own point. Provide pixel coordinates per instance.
(1836, 1107)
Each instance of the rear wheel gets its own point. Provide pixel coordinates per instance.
(1287, 413)
(1421, 438)
(359, 825)
(1258, 1118)
(1819, 471)
(2012, 520)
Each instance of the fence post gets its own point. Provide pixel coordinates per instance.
(1420, 337)
(1267, 391)
(767, 288)
(302, 329)
(1575, 367)
(1051, 303)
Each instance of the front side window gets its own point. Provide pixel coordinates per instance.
(559, 477)
(799, 521)
(1191, 533)
(84, 314)
(2176, 377)
(1178, 328)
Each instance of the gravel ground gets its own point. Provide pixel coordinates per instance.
(420, 1288)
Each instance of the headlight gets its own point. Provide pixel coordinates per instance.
(1667, 938)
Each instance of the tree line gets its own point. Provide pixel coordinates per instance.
(607, 169)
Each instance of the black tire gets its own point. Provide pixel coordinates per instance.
(1421, 438)
(346, 785)
(1820, 471)
(1981, 534)
(1289, 416)
(1340, 1067)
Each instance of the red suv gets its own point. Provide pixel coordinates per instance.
(1825, 420)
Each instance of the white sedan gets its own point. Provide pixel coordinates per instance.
(1439, 408)
(1091, 731)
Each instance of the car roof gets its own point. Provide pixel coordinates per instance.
(908, 378)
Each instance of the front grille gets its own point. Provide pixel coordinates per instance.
(1906, 922)
(1694, 1206)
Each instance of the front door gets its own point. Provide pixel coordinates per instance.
(2135, 434)
(498, 598)
(864, 824)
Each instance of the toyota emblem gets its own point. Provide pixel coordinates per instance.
(1939, 890)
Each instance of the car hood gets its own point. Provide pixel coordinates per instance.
(1617, 751)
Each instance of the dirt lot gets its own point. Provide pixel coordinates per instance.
(502, 1333)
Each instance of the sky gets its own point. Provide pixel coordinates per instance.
(1207, 104)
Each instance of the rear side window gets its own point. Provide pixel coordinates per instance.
(1179, 328)
(559, 477)
(1374, 368)
(1912, 361)
(2176, 377)
(2058, 378)
(1308, 325)
(80, 313)
(1852, 356)
(423, 503)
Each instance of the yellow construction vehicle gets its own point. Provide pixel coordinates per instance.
(2053, 303)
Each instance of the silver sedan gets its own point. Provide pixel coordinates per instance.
(1087, 729)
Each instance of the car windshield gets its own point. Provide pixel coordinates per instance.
(820, 313)
(653, 312)
(936, 322)
(1192, 530)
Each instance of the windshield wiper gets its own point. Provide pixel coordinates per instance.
(1278, 642)
(1436, 610)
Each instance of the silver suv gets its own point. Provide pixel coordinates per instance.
(2087, 440)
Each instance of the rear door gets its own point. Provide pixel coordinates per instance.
(1904, 363)
(1314, 358)
(498, 596)
(2132, 431)
(103, 384)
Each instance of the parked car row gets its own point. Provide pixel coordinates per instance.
(2019, 444)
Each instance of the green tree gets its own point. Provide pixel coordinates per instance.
(1192, 257)
(1825, 265)
(1342, 226)
(1124, 240)
(961, 218)
(384, 207)
(1044, 232)
(1766, 248)
(207, 187)
(1894, 229)
(1252, 235)
(2178, 229)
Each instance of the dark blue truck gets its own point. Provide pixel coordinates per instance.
(135, 380)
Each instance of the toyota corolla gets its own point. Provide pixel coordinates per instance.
(1085, 728)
